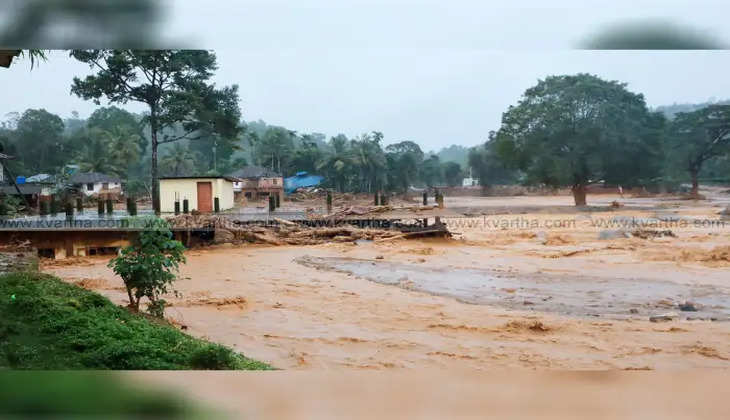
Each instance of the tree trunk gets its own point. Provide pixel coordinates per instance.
(155, 180)
(132, 303)
(694, 173)
(579, 194)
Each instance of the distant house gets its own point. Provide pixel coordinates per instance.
(32, 193)
(470, 182)
(2, 169)
(45, 182)
(94, 183)
(200, 191)
(255, 182)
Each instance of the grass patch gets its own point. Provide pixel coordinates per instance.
(50, 324)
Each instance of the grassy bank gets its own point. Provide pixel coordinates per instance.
(49, 324)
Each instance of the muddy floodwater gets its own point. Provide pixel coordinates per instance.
(563, 294)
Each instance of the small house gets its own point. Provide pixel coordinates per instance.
(256, 182)
(94, 183)
(470, 182)
(200, 191)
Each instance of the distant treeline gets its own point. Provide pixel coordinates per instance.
(115, 141)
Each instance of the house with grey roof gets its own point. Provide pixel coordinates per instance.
(94, 183)
(255, 182)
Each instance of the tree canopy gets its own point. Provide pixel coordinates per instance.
(573, 130)
(699, 136)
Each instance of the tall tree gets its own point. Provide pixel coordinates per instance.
(404, 159)
(699, 136)
(178, 162)
(452, 173)
(568, 130)
(337, 164)
(39, 141)
(487, 167)
(112, 117)
(306, 156)
(370, 160)
(431, 171)
(274, 148)
(174, 84)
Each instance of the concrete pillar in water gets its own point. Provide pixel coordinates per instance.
(186, 208)
(69, 210)
(131, 206)
(54, 205)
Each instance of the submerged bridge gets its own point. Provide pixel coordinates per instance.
(85, 234)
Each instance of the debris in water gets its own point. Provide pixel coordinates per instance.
(671, 316)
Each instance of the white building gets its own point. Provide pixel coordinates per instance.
(470, 182)
(94, 183)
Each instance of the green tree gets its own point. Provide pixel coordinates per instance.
(370, 161)
(453, 174)
(178, 161)
(430, 171)
(149, 266)
(274, 148)
(337, 164)
(307, 156)
(39, 141)
(110, 152)
(174, 84)
(111, 118)
(94, 157)
(487, 167)
(403, 159)
(572, 130)
(699, 136)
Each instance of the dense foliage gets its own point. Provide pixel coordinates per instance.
(574, 130)
(50, 324)
(699, 136)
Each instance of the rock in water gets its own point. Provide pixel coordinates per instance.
(688, 307)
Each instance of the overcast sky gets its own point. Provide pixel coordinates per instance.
(437, 73)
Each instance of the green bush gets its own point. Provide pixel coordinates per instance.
(213, 357)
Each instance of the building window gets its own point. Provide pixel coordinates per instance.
(105, 186)
(275, 181)
(89, 187)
